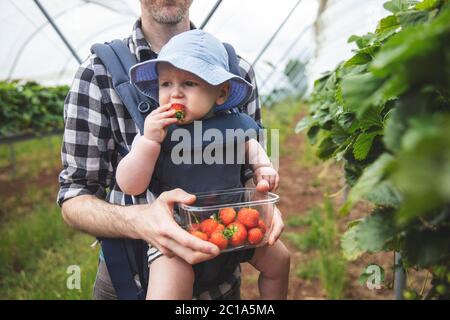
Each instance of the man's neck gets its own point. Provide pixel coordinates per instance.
(159, 34)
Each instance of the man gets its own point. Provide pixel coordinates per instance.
(96, 124)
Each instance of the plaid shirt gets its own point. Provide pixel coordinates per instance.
(96, 123)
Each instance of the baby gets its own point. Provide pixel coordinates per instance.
(192, 73)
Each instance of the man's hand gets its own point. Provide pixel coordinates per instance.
(155, 125)
(155, 224)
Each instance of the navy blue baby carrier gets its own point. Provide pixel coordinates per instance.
(126, 259)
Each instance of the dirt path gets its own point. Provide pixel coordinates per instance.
(301, 189)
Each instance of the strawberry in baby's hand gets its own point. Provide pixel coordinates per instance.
(255, 235)
(180, 111)
(237, 233)
(248, 217)
(227, 215)
(219, 239)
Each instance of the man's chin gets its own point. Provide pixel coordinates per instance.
(170, 15)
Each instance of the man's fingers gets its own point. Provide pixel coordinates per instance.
(186, 240)
(165, 251)
(190, 248)
(177, 195)
(168, 253)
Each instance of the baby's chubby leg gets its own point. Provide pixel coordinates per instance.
(170, 279)
(273, 263)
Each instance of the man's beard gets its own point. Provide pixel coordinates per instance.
(164, 16)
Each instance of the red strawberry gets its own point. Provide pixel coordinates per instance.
(220, 227)
(262, 226)
(219, 240)
(199, 234)
(255, 235)
(208, 226)
(248, 217)
(179, 111)
(237, 233)
(194, 227)
(227, 215)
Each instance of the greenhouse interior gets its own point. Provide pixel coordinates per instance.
(353, 98)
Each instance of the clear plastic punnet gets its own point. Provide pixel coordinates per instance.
(233, 219)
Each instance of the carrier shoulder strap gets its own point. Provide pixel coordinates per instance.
(124, 257)
(233, 61)
(118, 60)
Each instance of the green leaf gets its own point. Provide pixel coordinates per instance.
(361, 92)
(349, 244)
(371, 119)
(352, 171)
(408, 46)
(339, 135)
(371, 176)
(338, 95)
(362, 41)
(395, 6)
(385, 194)
(428, 5)
(363, 144)
(312, 134)
(387, 24)
(358, 59)
(427, 248)
(326, 148)
(422, 171)
(397, 121)
(409, 18)
(304, 123)
(376, 231)
(346, 120)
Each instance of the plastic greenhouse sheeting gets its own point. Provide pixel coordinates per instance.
(32, 50)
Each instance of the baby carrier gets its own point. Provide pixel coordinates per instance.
(126, 259)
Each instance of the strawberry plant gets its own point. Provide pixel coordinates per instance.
(27, 107)
(385, 113)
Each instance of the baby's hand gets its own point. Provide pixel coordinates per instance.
(268, 174)
(155, 125)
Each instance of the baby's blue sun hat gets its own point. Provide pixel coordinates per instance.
(200, 53)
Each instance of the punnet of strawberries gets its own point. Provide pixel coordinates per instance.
(230, 229)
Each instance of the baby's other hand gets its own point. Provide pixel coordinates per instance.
(266, 178)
